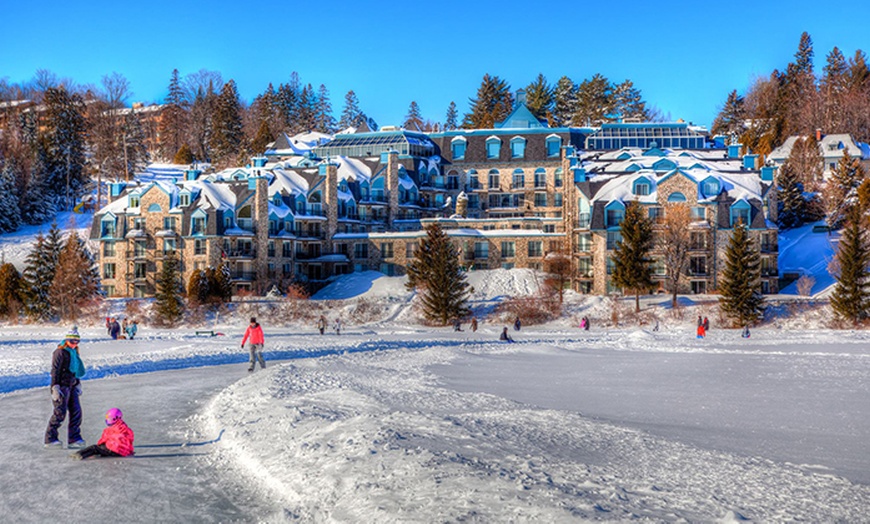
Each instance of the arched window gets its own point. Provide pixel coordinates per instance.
(518, 147)
(493, 147)
(554, 145)
(676, 197)
(457, 148)
(540, 177)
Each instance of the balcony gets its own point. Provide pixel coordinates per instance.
(242, 253)
(243, 275)
(768, 247)
(137, 253)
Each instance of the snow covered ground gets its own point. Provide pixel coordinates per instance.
(397, 422)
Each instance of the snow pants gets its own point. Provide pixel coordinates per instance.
(97, 449)
(69, 401)
(256, 354)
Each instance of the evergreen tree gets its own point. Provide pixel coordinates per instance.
(173, 118)
(201, 128)
(323, 120)
(792, 204)
(262, 140)
(76, 281)
(36, 203)
(493, 103)
(740, 287)
(840, 191)
(564, 102)
(307, 110)
(288, 102)
(539, 97)
(10, 290)
(39, 271)
(351, 114)
(169, 305)
(413, 120)
(851, 296)
(595, 103)
(806, 159)
(183, 156)
(134, 150)
(628, 103)
(834, 86)
(451, 119)
(632, 264)
(198, 287)
(10, 213)
(64, 145)
(227, 132)
(731, 119)
(436, 274)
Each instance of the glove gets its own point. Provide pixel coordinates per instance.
(55, 393)
(79, 390)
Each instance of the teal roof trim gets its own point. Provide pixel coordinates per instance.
(520, 118)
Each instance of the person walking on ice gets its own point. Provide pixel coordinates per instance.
(255, 333)
(116, 440)
(67, 369)
(321, 324)
(337, 326)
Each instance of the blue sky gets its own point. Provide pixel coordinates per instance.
(684, 56)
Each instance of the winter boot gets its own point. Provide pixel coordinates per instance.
(76, 444)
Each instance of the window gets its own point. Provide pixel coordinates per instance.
(656, 214)
(134, 200)
(287, 249)
(458, 149)
(554, 145)
(641, 189)
(584, 242)
(139, 248)
(139, 270)
(271, 249)
(613, 238)
(658, 267)
(138, 223)
(540, 199)
(536, 248)
(108, 249)
(197, 226)
(108, 228)
(360, 250)
(473, 181)
(518, 179)
(711, 188)
(481, 250)
(557, 177)
(698, 240)
(549, 228)
(518, 147)
(698, 266)
(386, 250)
(676, 197)
(557, 199)
(540, 178)
(452, 181)
(410, 249)
(184, 200)
(610, 265)
(584, 267)
(493, 148)
(109, 291)
(199, 247)
(109, 270)
(493, 179)
(698, 213)
(473, 201)
(169, 245)
(699, 287)
(508, 249)
(615, 217)
(740, 213)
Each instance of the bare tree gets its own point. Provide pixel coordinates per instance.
(558, 268)
(674, 240)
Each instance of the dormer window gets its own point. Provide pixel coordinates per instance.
(184, 200)
(641, 189)
(493, 148)
(554, 146)
(518, 147)
(711, 188)
(134, 200)
(457, 148)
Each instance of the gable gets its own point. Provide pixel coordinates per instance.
(520, 118)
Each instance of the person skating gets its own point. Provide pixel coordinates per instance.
(517, 324)
(457, 324)
(586, 323)
(131, 329)
(706, 325)
(701, 331)
(505, 336)
(116, 440)
(321, 324)
(255, 333)
(473, 324)
(337, 326)
(745, 333)
(115, 329)
(66, 371)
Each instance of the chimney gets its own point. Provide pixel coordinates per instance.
(391, 186)
(818, 134)
(734, 150)
(261, 226)
(330, 198)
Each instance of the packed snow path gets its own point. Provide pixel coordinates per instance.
(164, 482)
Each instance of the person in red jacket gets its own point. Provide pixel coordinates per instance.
(255, 333)
(116, 441)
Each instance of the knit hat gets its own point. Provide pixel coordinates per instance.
(73, 334)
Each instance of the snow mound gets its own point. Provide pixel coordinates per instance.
(494, 284)
(364, 284)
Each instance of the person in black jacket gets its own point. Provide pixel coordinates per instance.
(66, 371)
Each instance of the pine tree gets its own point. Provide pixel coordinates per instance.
(493, 103)
(851, 297)
(632, 264)
(262, 140)
(10, 290)
(840, 191)
(36, 202)
(169, 305)
(628, 102)
(451, 119)
(10, 213)
(436, 274)
(306, 119)
(288, 102)
(173, 118)
(64, 145)
(740, 286)
(564, 102)
(351, 114)
(227, 132)
(323, 119)
(76, 281)
(202, 115)
(731, 119)
(198, 287)
(183, 156)
(595, 103)
(134, 150)
(39, 271)
(792, 204)
(413, 120)
(539, 97)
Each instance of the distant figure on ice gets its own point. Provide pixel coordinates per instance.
(116, 440)
(124, 324)
(656, 327)
(337, 326)
(745, 333)
(115, 329)
(473, 324)
(321, 324)
(701, 331)
(517, 324)
(67, 369)
(457, 324)
(583, 323)
(706, 325)
(131, 329)
(255, 333)
(109, 325)
(700, 321)
(586, 323)
(505, 336)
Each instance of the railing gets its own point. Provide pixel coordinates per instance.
(137, 253)
(768, 247)
(243, 275)
(242, 253)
